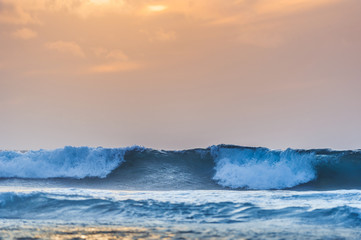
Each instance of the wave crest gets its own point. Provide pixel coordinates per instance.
(260, 168)
(71, 162)
(216, 167)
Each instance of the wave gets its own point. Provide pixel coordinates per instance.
(260, 168)
(72, 162)
(216, 167)
(118, 207)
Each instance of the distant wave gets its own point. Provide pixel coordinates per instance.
(216, 167)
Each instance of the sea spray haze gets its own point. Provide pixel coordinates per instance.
(219, 192)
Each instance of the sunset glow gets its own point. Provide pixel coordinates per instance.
(175, 74)
(156, 8)
(180, 119)
(99, 1)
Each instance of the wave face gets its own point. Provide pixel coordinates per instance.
(216, 167)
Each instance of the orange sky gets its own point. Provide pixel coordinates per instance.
(180, 74)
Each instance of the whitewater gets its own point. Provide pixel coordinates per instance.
(219, 192)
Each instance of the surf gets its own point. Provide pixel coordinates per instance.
(216, 167)
(189, 207)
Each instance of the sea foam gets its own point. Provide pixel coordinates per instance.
(72, 162)
(261, 168)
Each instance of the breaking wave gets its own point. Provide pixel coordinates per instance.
(261, 168)
(216, 167)
(72, 162)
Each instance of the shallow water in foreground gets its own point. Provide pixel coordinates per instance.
(173, 232)
(218, 214)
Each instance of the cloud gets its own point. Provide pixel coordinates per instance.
(165, 36)
(286, 6)
(263, 35)
(218, 11)
(115, 67)
(118, 61)
(27, 11)
(13, 12)
(87, 8)
(156, 8)
(160, 35)
(100, 51)
(24, 33)
(117, 55)
(66, 47)
(110, 54)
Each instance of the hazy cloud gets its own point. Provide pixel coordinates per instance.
(12, 12)
(24, 33)
(267, 72)
(115, 61)
(156, 8)
(115, 67)
(163, 35)
(159, 35)
(100, 51)
(115, 54)
(66, 47)
(27, 12)
(267, 36)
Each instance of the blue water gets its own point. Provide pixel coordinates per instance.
(221, 192)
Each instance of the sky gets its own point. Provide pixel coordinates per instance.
(177, 74)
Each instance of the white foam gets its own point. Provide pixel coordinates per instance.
(72, 162)
(262, 168)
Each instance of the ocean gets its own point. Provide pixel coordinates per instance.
(219, 192)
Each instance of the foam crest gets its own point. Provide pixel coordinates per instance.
(261, 168)
(71, 162)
